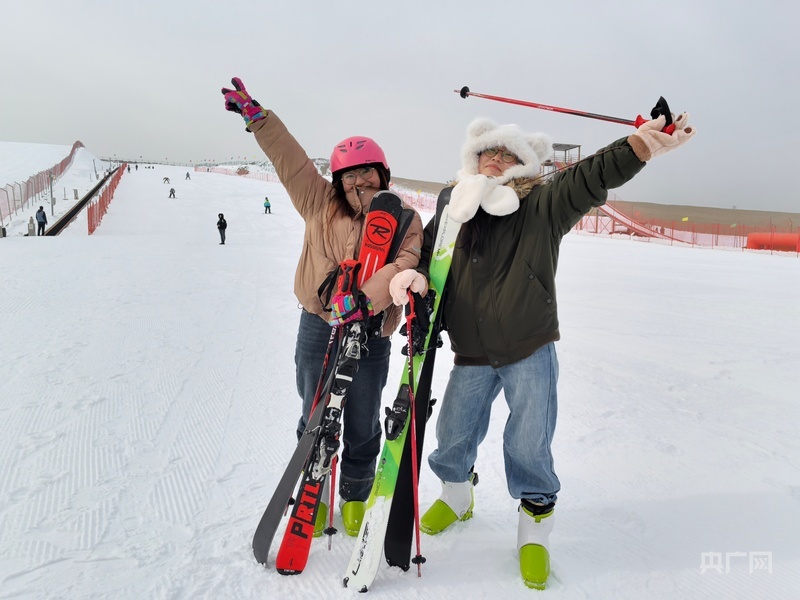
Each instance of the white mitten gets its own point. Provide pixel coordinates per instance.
(402, 282)
(500, 201)
(466, 197)
(649, 141)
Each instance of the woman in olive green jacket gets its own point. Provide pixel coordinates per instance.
(501, 314)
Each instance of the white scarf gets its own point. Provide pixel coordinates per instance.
(475, 191)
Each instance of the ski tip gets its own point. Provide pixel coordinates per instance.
(388, 195)
(363, 589)
(403, 566)
(289, 571)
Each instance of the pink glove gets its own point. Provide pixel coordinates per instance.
(346, 308)
(649, 141)
(239, 101)
(402, 282)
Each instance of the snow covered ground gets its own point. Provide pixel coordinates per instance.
(19, 161)
(148, 407)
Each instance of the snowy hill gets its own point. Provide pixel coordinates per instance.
(148, 400)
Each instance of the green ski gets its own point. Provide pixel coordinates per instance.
(366, 557)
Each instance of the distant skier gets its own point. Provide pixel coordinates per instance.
(41, 220)
(171, 192)
(222, 225)
(187, 175)
(267, 206)
(166, 179)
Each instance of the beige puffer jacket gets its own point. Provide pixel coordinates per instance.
(327, 244)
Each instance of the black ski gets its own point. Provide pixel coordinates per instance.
(397, 544)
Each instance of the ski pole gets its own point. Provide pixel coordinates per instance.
(330, 530)
(320, 384)
(661, 108)
(418, 559)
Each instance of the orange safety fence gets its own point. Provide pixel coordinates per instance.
(769, 236)
(17, 196)
(99, 204)
(607, 220)
(420, 200)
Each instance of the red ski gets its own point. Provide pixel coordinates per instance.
(384, 230)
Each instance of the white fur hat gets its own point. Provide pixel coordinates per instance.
(530, 148)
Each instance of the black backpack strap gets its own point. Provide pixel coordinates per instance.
(403, 224)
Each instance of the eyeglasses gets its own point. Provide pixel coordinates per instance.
(508, 157)
(364, 173)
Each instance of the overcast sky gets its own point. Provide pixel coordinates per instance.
(142, 78)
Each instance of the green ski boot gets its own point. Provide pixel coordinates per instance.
(533, 533)
(321, 521)
(322, 514)
(352, 516)
(455, 504)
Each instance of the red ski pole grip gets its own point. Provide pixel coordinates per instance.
(640, 120)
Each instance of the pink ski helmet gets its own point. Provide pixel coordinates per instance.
(355, 151)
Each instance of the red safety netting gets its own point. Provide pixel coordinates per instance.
(99, 204)
(17, 196)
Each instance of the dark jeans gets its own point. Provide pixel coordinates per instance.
(222, 235)
(362, 423)
(40, 230)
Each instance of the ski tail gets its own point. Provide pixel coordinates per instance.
(291, 558)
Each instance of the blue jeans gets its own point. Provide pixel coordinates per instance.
(529, 386)
(361, 435)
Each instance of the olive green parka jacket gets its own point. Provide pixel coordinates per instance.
(500, 299)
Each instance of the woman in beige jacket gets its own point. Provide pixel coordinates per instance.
(334, 213)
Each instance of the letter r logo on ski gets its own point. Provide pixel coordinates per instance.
(380, 231)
